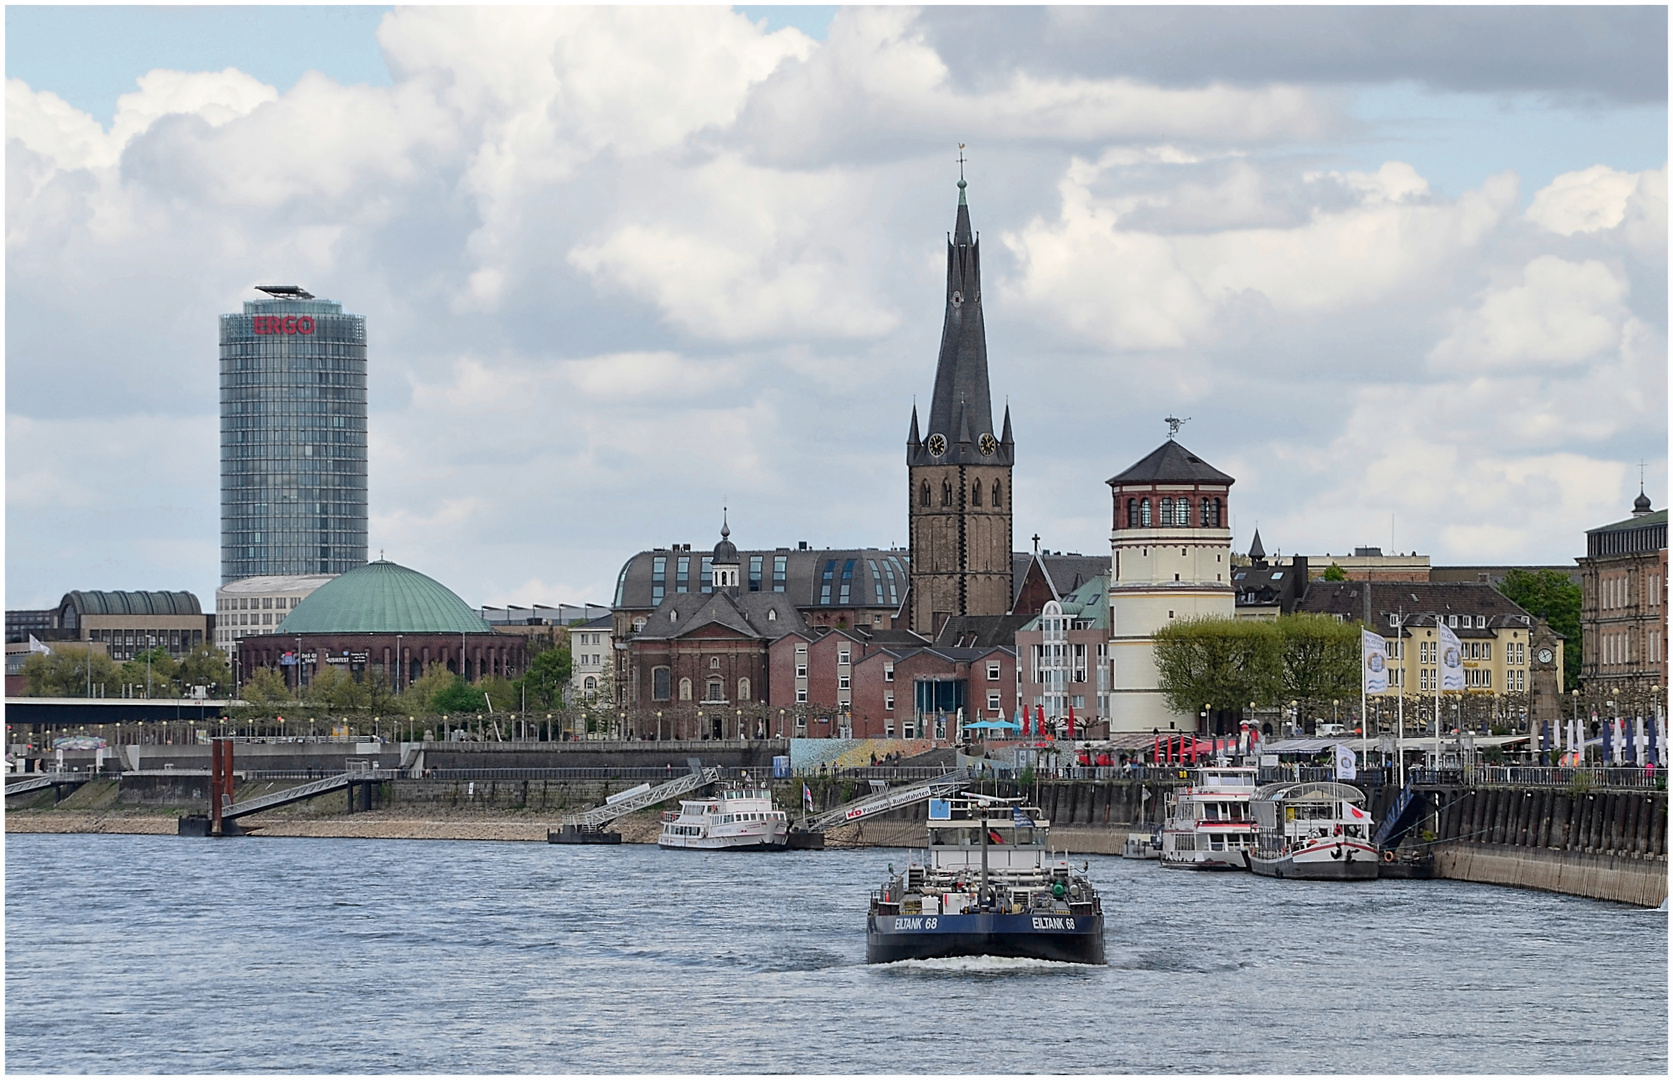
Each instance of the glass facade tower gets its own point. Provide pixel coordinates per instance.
(293, 437)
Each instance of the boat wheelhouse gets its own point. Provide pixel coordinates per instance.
(1209, 825)
(1315, 829)
(988, 884)
(737, 819)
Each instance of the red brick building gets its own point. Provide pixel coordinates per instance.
(904, 692)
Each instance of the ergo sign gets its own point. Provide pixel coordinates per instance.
(288, 324)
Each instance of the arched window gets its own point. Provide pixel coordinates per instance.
(1165, 518)
(1182, 512)
(685, 689)
(743, 689)
(717, 691)
(923, 494)
(1206, 507)
(998, 496)
(1216, 513)
(946, 493)
(1144, 513)
(976, 493)
(1132, 513)
(659, 684)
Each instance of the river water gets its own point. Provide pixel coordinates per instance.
(141, 954)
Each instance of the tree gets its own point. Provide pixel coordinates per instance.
(458, 696)
(205, 665)
(500, 691)
(1335, 573)
(1222, 663)
(1320, 657)
(1550, 595)
(64, 672)
(547, 677)
(263, 686)
(153, 669)
(335, 689)
(419, 695)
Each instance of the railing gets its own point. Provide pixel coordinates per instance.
(1372, 776)
(1563, 776)
(878, 772)
(635, 773)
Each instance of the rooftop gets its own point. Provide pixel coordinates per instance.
(382, 598)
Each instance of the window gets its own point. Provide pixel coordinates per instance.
(659, 684)
(801, 698)
(842, 656)
(685, 689)
(1481, 622)
(1166, 516)
(1182, 512)
(716, 690)
(888, 671)
(993, 672)
(997, 496)
(976, 493)
(780, 562)
(755, 573)
(889, 701)
(993, 700)
(1144, 513)
(801, 669)
(923, 494)
(1132, 513)
(842, 682)
(946, 493)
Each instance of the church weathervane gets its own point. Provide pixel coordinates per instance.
(1174, 424)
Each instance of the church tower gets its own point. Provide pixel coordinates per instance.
(958, 470)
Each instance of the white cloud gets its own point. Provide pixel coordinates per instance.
(1560, 312)
(1583, 201)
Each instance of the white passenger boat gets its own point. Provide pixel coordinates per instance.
(1312, 829)
(1142, 845)
(1208, 825)
(737, 819)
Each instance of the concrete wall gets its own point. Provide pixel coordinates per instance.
(1577, 873)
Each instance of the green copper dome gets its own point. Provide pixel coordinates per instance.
(383, 598)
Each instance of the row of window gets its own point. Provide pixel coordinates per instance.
(997, 500)
(1172, 512)
(714, 689)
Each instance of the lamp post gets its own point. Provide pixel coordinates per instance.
(659, 725)
(781, 723)
(740, 725)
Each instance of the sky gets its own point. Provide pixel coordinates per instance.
(1403, 269)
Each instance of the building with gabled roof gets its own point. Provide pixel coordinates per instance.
(1065, 666)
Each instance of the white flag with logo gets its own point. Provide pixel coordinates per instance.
(1345, 763)
(1374, 655)
(1452, 659)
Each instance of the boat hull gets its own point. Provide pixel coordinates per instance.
(1077, 939)
(1331, 862)
(1230, 860)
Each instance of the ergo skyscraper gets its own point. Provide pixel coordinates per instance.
(293, 437)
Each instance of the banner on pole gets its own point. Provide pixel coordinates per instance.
(1374, 652)
(1451, 658)
(1345, 763)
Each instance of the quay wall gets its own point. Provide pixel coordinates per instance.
(1608, 845)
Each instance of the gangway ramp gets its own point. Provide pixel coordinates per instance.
(37, 781)
(885, 801)
(600, 816)
(312, 789)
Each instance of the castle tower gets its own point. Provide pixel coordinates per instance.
(1170, 547)
(958, 472)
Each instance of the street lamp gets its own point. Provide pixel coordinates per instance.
(659, 725)
(740, 725)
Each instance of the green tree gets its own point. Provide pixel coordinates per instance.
(1335, 573)
(263, 686)
(419, 695)
(547, 677)
(206, 665)
(458, 696)
(64, 672)
(153, 668)
(380, 697)
(1320, 657)
(501, 691)
(1222, 663)
(335, 689)
(1550, 595)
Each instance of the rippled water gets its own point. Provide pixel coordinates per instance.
(159, 954)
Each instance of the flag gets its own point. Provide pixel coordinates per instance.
(1039, 721)
(1022, 728)
(1374, 652)
(1345, 763)
(1452, 658)
(807, 797)
(36, 646)
(1071, 721)
(1020, 819)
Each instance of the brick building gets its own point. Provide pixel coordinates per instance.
(916, 691)
(1064, 652)
(1623, 606)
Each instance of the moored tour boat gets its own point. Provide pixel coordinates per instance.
(1312, 829)
(988, 885)
(1209, 826)
(738, 819)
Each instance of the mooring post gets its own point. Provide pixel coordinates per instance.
(220, 776)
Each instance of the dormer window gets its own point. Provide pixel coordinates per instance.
(772, 615)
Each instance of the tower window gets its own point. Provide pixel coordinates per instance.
(1144, 513)
(1132, 513)
(1165, 518)
(976, 493)
(1182, 512)
(946, 493)
(923, 494)
(998, 496)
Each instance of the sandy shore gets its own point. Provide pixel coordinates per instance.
(375, 825)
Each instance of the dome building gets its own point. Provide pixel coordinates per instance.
(387, 619)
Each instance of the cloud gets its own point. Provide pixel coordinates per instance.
(1584, 201)
(1559, 313)
(1127, 288)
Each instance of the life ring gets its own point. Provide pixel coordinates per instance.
(1388, 856)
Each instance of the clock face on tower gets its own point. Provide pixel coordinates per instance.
(1545, 656)
(937, 444)
(987, 444)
